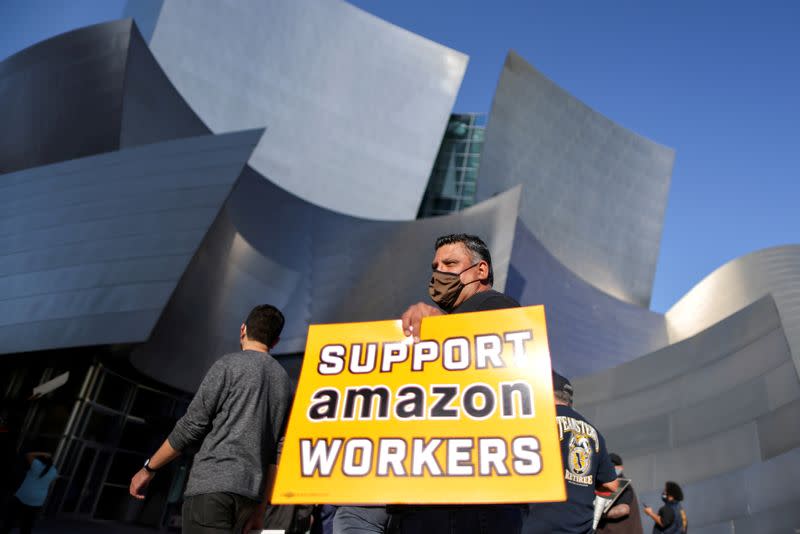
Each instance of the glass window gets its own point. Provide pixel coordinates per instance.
(56, 495)
(115, 503)
(123, 465)
(443, 160)
(51, 418)
(75, 488)
(460, 146)
(137, 436)
(101, 427)
(457, 128)
(148, 403)
(93, 484)
(70, 458)
(442, 204)
(112, 391)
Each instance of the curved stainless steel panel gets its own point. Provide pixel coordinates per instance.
(355, 106)
(152, 109)
(91, 249)
(716, 406)
(316, 265)
(49, 88)
(146, 14)
(86, 92)
(758, 499)
(595, 193)
(773, 271)
(588, 330)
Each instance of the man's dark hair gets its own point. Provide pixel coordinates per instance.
(564, 397)
(562, 389)
(674, 490)
(264, 324)
(474, 244)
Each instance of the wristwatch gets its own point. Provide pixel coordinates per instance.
(148, 468)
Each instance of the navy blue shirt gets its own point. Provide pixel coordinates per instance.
(586, 465)
(672, 518)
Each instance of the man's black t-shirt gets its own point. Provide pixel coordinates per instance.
(626, 497)
(629, 524)
(586, 464)
(486, 301)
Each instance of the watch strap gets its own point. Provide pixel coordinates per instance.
(148, 468)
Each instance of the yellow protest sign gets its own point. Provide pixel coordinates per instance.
(465, 415)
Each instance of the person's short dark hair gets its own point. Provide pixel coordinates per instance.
(674, 490)
(474, 244)
(264, 324)
(615, 458)
(562, 388)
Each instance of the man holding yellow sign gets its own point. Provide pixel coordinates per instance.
(460, 415)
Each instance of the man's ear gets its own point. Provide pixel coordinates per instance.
(243, 331)
(277, 339)
(483, 267)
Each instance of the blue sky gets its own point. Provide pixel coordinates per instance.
(718, 81)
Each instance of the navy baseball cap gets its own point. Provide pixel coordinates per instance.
(560, 383)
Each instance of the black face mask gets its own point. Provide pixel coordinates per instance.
(444, 288)
(664, 497)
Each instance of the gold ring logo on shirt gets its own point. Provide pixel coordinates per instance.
(580, 454)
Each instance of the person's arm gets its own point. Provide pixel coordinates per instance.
(623, 506)
(606, 475)
(412, 318)
(164, 455)
(190, 429)
(609, 486)
(618, 511)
